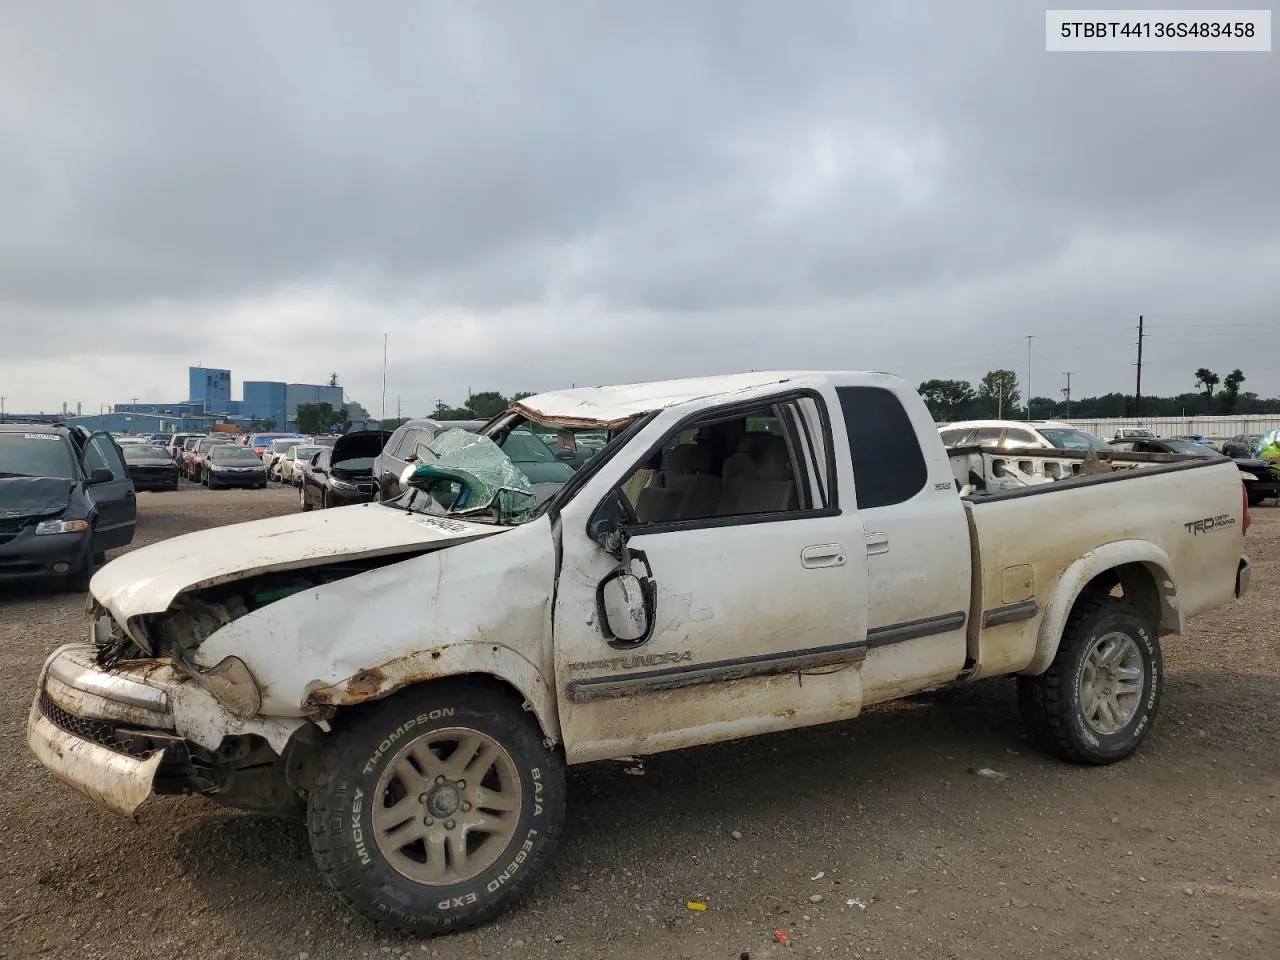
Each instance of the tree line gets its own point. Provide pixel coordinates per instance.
(998, 395)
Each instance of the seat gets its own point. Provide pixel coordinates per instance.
(758, 478)
(685, 487)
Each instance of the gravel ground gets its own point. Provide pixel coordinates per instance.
(863, 839)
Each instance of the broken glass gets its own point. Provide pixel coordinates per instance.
(471, 474)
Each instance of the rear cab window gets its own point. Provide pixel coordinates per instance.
(888, 465)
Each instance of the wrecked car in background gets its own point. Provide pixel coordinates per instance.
(743, 554)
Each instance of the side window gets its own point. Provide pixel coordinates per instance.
(393, 441)
(100, 454)
(768, 461)
(1020, 436)
(407, 444)
(987, 436)
(322, 458)
(888, 464)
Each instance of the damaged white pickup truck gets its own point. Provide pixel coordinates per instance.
(727, 557)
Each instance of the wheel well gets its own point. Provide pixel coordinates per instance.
(346, 713)
(1138, 583)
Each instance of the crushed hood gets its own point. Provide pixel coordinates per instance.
(147, 580)
(33, 496)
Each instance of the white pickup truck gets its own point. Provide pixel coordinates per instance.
(732, 556)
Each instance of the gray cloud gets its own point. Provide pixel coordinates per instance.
(527, 195)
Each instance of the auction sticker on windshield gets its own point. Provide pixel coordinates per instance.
(40, 436)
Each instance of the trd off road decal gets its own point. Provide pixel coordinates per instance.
(1209, 524)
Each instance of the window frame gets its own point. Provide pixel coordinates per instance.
(731, 411)
(910, 430)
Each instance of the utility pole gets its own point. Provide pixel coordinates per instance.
(1067, 392)
(1137, 399)
(383, 414)
(1000, 400)
(397, 406)
(1, 406)
(1029, 339)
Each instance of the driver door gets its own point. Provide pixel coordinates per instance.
(758, 616)
(116, 501)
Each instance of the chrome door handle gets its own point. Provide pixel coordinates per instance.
(877, 543)
(822, 555)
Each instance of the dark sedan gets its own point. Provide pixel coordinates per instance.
(342, 475)
(1261, 479)
(150, 467)
(231, 465)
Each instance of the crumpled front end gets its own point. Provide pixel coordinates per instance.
(118, 735)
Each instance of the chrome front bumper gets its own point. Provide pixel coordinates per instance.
(102, 733)
(107, 732)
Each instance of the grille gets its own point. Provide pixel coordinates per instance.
(97, 731)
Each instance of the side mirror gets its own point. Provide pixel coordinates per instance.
(411, 458)
(606, 524)
(625, 604)
(100, 475)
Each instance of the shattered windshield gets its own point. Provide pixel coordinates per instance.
(508, 476)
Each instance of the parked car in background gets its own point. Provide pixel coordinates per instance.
(150, 467)
(231, 465)
(1261, 479)
(342, 475)
(1020, 434)
(65, 500)
(1134, 433)
(538, 461)
(289, 468)
(258, 442)
(324, 441)
(128, 441)
(195, 460)
(1242, 445)
(275, 452)
(406, 445)
(178, 441)
(1199, 438)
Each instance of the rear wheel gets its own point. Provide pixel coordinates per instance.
(302, 500)
(1097, 700)
(437, 809)
(1256, 498)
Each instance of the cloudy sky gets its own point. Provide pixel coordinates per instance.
(527, 195)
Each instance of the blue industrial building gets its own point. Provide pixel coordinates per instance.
(210, 402)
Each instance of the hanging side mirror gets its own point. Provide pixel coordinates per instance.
(626, 604)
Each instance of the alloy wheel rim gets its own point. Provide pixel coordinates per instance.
(1111, 683)
(447, 805)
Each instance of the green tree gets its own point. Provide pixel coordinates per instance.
(320, 417)
(521, 395)
(1230, 395)
(998, 394)
(1206, 380)
(391, 423)
(948, 399)
(486, 404)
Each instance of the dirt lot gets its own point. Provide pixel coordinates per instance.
(865, 839)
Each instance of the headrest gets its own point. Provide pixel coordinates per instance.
(768, 453)
(688, 458)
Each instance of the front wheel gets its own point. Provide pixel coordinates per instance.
(1097, 700)
(303, 505)
(436, 810)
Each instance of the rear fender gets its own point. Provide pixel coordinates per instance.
(1077, 576)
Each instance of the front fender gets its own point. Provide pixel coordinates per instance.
(1074, 579)
(436, 663)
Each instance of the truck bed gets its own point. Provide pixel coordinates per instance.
(1162, 519)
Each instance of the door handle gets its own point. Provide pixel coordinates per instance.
(822, 555)
(877, 543)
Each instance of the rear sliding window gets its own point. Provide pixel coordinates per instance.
(888, 464)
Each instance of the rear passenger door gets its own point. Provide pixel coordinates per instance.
(759, 579)
(919, 567)
(115, 500)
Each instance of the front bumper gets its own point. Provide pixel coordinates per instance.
(255, 478)
(119, 735)
(166, 480)
(28, 557)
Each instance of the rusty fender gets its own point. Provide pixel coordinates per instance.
(434, 663)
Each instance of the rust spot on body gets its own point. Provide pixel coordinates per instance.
(366, 683)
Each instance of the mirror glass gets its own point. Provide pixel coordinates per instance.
(624, 607)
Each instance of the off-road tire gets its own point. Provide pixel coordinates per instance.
(303, 503)
(1051, 704)
(343, 799)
